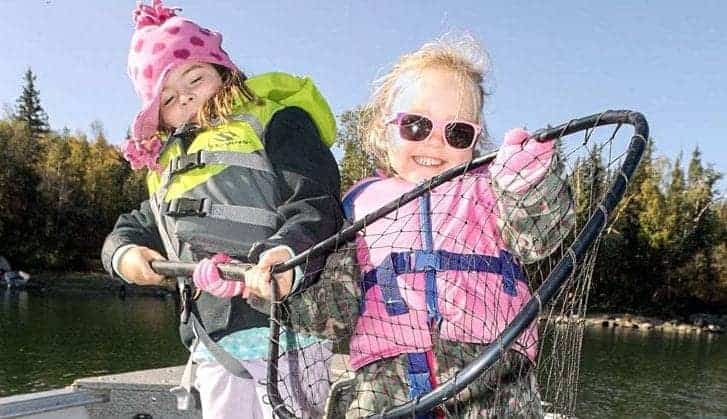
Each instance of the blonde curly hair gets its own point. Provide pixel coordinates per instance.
(461, 54)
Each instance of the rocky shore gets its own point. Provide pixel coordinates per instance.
(695, 323)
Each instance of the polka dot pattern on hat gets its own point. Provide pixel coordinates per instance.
(158, 47)
(182, 54)
(148, 71)
(162, 40)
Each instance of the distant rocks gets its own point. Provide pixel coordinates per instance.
(697, 323)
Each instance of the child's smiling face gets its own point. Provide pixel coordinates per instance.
(439, 95)
(186, 89)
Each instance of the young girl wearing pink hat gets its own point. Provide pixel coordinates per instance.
(237, 167)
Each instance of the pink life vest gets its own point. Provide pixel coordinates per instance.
(436, 265)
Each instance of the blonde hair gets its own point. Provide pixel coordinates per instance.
(460, 54)
(220, 107)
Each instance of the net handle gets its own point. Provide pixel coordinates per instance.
(230, 271)
(588, 234)
(276, 401)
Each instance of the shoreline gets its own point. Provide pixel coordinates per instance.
(97, 282)
(94, 282)
(694, 323)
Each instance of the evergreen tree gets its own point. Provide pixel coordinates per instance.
(695, 170)
(29, 109)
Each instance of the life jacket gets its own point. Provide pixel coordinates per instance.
(206, 209)
(436, 265)
(210, 218)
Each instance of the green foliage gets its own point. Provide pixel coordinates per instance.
(56, 210)
(356, 163)
(666, 248)
(60, 194)
(18, 182)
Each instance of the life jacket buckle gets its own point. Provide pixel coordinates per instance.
(426, 260)
(187, 162)
(186, 207)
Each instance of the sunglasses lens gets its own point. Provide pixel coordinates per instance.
(414, 127)
(460, 135)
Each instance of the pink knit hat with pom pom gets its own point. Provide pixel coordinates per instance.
(161, 42)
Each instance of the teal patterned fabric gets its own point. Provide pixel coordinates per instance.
(250, 344)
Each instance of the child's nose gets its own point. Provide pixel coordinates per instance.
(437, 136)
(187, 97)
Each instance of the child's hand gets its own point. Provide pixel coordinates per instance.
(134, 265)
(519, 163)
(258, 279)
(208, 278)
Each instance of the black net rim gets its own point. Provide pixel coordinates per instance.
(564, 268)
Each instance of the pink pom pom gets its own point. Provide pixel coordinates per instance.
(156, 14)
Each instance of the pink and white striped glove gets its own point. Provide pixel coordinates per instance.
(521, 164)
(208, 278)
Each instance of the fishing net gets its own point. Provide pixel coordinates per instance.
(475, 311)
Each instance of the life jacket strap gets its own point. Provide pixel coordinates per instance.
(190, 207)
(419, 378)
(416, 261)
(255, 161)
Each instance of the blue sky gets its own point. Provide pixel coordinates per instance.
(551, 60)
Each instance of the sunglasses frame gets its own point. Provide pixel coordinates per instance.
(436, 124)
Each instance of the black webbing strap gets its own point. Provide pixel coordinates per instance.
(230, 363)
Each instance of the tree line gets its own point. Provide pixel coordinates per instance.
(666, 250)
(61, 193)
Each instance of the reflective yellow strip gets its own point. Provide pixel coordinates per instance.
(237, 136)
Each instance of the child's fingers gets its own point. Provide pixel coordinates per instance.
(273, 257)
(134, 266)
(258, 280)
(257, 283)
(285, 283)
(148, 276)
(250, 283)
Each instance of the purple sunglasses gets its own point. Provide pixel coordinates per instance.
(414, 127)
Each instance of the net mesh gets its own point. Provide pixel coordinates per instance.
(421, 292)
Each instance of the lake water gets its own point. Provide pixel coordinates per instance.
(47, 341)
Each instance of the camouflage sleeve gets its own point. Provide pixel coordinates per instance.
(329, 308)
(534, 223)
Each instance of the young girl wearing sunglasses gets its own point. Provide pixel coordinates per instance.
(441, 277)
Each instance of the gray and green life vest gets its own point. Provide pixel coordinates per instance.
(206, 216)
(203, 208)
